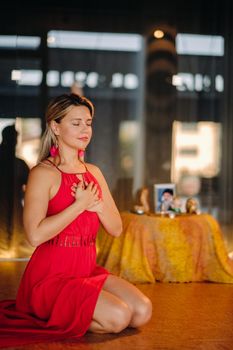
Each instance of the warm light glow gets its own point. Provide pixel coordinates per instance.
(196, 149)
(30, 77)
(176, 80)
(28, 142)
(29, 151)
(128, 131)
(16, 74)
(158, 34)
(128, 137)
(50, 39)
(9, 254)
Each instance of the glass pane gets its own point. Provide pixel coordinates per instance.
(107, 68)
(20, 87)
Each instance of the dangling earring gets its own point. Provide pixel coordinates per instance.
(54, 150)
(81, 153)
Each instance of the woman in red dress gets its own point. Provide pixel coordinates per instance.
(63, 292)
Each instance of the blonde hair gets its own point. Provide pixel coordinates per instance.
(57, 110)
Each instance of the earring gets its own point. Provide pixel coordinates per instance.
(54, 151)
(81, 153)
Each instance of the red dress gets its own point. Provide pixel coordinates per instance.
(61, 283)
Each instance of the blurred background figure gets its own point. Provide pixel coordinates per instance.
(192, 206)
(13, 179)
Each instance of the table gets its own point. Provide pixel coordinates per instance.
(187, 248)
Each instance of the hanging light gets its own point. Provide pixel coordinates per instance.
(158, 34)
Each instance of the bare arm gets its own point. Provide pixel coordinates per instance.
(107, 210)
(38, 227)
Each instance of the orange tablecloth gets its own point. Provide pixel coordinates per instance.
(154, 248)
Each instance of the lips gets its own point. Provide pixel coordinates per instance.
(84, 138)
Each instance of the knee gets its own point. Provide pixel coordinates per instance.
(142, 313)
(120, 318)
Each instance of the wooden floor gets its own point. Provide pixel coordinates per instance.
(185, 316)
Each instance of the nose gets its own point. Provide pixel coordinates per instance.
(84, 125)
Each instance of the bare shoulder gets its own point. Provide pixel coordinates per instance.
(94, 169)
(42, 172)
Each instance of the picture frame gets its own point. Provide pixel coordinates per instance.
(159, 190)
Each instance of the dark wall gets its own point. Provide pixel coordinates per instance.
(190, 16)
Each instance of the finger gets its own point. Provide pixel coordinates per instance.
(98, 200)
(90, 185)
(94, 188)
(80, 184)
(74, 184)
(96, 196)
(97, 191)
(85, 184)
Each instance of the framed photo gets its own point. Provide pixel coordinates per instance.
(163, 196)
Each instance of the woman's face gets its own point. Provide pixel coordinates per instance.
(75, 128)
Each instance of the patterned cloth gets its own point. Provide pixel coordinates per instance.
(188, 248)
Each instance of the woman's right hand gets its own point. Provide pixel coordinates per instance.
(88, 196)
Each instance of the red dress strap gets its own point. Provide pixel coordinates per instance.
(48, 160)
(63, 172)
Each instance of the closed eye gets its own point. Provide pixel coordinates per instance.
(78, 124)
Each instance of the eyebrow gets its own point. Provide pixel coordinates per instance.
(80, 119)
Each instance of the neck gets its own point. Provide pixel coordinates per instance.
(69, 158)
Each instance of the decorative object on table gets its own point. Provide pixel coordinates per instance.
(143, 199)
(176, 204)
(192, 206)
(172, 214)
(163, 197)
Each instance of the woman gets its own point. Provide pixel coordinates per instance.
(63, 293)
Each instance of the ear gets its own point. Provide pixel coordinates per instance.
(55, 127)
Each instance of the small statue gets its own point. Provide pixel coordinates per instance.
(192, 206)
(176, 204)
(143, 198)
